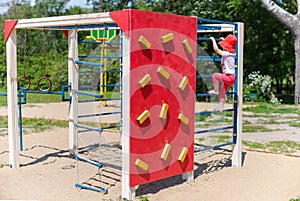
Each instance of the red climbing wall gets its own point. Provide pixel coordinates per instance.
(162, 93)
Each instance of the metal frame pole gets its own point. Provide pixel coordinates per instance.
(237, 148)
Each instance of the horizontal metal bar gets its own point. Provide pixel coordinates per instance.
(100, 71)
(90, 26)
(84, 131)
(98, 114)
(109, 127)
(203, 76)
(208, 27)
(88, 63)
(89, 94)
(213, 129)
(202, 95)
(43, 92)
(213, 147)
(87, 187)
(99, 165)
(111, 71)
(231, 92)
(215, 21)
(108, 99)
(227, 93)
(90, 71)
(110, 85)
(89, 87)
(99, 57)
(1, 94)
(213, 111)
(100, 43)
(88, 101)
(208, 58)
(110, 113)
(88, 128)
(88, 115)
(207, 39)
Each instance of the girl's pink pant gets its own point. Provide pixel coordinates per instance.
(227, 80)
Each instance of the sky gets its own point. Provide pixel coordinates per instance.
(80, 3)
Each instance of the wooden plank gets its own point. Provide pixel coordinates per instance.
(73, 72)
(127, 191)
(12, 100)
(72, 20)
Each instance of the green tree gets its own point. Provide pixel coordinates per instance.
(265, 50)
(56, 43)
(47, 8)
(2, 62)
(271, 52)
(107, 5)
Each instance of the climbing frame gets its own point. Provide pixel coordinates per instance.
(159, 96)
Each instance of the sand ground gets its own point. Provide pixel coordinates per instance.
(48, 173)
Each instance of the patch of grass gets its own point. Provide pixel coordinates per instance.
(143, 198)
(201, 117)
(3, 165)
(295, 199)
(270, 121)
(257, 128)
(3, 122)
(252, 115)
(47, 98)
(3, 97)
(3, 101)
(275, 146)
(254, 145)
(259, 109)
(205, 125)
(294, 124)
(283, 146)
(43, 98)
(222, 138)
(36, 124)
(271, 109)
(200, 139)
(228, 114)
(246, 122)
(223, 120)
(40, 125)
(113, 94)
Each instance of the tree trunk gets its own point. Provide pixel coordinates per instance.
(297, 69)
(292, 22)
(278, 86)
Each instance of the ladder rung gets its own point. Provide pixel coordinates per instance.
(87, 187)
(99, 165)
(88, 63)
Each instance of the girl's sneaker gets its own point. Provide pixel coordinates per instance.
(213, 92)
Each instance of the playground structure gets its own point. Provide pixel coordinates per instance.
(158, 68)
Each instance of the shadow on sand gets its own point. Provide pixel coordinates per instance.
(204, 168)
